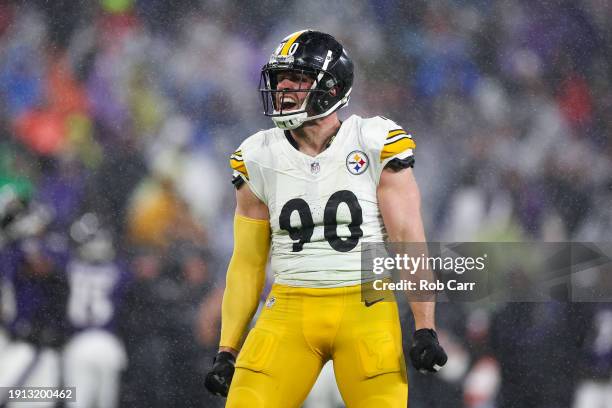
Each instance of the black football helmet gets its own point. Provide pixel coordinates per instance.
(314, 54)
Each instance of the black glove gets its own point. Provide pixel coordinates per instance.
(426, 353)
(218, 379)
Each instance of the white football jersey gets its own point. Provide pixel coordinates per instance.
(322, 208)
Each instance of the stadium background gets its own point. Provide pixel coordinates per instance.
(129, 109)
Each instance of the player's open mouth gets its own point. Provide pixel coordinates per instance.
(289, 105)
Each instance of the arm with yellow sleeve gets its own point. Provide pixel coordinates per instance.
(246, 275)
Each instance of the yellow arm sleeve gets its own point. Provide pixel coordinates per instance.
(245, 279)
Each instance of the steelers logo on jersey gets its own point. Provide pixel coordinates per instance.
(357, 162)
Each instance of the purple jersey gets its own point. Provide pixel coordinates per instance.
(33, 287)
(96, 293)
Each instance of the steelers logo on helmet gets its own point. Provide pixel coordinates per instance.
(357, 162)
(305, 54)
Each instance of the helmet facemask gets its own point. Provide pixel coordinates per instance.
(280, 105)
(278, 102)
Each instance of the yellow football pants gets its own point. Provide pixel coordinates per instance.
(300, 329)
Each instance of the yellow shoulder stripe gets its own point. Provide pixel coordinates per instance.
(237, 164)
(395, 133)
(396, 147)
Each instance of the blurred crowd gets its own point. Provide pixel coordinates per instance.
(117, 118)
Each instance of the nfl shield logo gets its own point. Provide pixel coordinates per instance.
(315, 167)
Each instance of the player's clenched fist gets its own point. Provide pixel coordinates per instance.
(218, 379)
(426, 353)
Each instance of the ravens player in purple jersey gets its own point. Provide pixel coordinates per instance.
(34, 293)
(94, 356)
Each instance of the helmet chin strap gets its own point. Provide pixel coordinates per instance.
(290, 122)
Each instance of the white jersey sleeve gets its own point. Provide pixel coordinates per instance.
(246, 168)
(385, 141)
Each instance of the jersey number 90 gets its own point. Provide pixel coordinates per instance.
(303, 234)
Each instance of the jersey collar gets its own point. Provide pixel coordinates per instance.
(294, 144)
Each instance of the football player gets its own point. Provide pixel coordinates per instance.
(313, 189)
(94, 356)
(34, 295)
